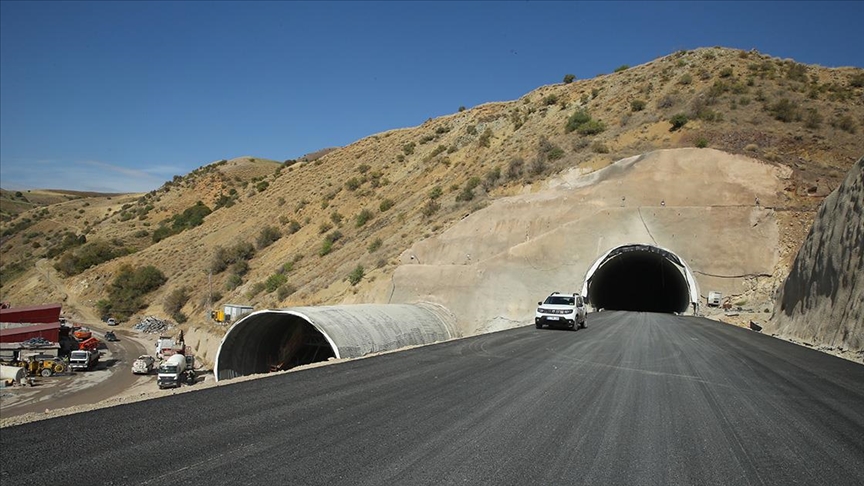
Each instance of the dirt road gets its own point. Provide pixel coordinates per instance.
(111, 377)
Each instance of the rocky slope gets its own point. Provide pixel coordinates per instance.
(822, 300)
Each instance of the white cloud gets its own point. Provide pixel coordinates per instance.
(90, 175)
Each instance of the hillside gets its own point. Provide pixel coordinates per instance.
(331, 228)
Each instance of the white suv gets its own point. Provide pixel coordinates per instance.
(562, 310)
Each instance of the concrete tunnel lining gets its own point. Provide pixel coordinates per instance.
(640, 277)
(280, 339)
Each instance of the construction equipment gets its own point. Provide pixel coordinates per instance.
(44, 365)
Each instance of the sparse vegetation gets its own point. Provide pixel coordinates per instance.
(267, 236)
(568, 78)
(356, 275)
(678, 121)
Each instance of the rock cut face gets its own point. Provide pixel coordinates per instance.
(822, 299)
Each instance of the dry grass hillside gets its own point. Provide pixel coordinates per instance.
(330, 228)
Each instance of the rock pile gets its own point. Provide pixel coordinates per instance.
(152, 325)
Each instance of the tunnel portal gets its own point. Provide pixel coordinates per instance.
(641, 278)
(280, 339)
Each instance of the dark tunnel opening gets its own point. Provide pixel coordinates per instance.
(643, 281)
(272, 342)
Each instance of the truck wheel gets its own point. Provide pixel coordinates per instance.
(539, 326)
(58, 368)
(46, 372)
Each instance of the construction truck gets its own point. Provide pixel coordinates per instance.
(171, 371)
(83, 360)
(143, 365)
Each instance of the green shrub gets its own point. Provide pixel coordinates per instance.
(515, 167)
(637, 105)
(256, 289)
(568, 78)
(352, 184)
(813, 119)
(701, 142)
(293, 227)
(484, 139)
(336, 217)
(599, 147)
(576, 120)
(284, 291)
(175, 301)
(385, 205)
(857, 80)
(550, 100)
(233, 282)
(262, 186)
(726, 72)
(274, 281)
(471, 129)
(267, 236)
(375, 245)
(436, 192)
(678, 121)
(363, 217)
(685, 79)
(88, 256)
(126, 292)
(356, 275)
(621, 68)
(846, 123)
(430, 208)
(326, 247)
(591, 127)
(324, 227)
(785, 111)
(408, 148)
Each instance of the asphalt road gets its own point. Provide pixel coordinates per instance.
(634, 399)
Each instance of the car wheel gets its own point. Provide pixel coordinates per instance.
(583, 325)
(539, 326)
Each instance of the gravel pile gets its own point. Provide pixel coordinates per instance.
(152, 325)
(36, 342)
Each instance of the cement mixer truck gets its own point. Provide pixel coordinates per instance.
(171, 371)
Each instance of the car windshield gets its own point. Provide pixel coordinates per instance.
(559, 300)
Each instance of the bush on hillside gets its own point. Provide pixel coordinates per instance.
(128, 289)
(267, 236)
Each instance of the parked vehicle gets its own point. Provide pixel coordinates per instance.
(561, 310)
(171, 371)
(44, 365)
(83, 360)
(112, 321)
(82, 333)
(143, 365)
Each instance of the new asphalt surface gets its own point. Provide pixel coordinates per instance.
(636, 398)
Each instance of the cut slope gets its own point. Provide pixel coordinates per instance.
(822, 300)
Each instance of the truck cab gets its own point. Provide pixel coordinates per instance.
(83, 360)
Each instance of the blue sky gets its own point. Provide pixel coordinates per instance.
(121, 96)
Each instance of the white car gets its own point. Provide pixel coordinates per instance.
(561, 310)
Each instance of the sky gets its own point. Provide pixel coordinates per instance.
(121, 96)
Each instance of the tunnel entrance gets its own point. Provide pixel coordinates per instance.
(274, 342)
(641, 278)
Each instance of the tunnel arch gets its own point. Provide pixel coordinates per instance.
(281, 339)
(639, 277)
